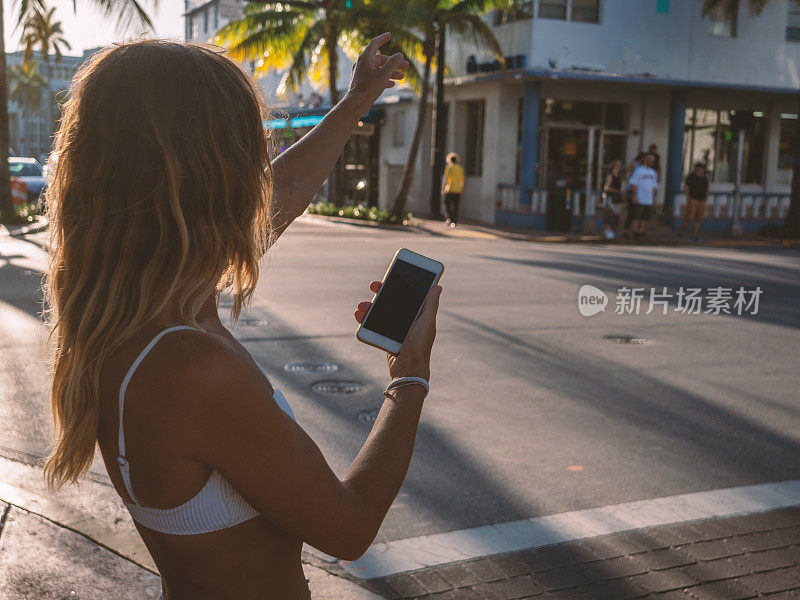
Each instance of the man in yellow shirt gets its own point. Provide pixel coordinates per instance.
(452, 188)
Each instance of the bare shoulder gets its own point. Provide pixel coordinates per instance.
(211, 363)
(200, 371)
(220, 389)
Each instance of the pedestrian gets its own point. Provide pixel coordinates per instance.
(612, 199)
(628, 194)
(452, 188)
(696, 190)
(644, 184)
(653, 149)
(162, 201)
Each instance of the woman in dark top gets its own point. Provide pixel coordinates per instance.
(696, 189)
(612, 193)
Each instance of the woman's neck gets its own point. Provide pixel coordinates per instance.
(170, 315)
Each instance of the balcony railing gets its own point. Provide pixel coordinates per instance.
(508, 198)
(762, 205)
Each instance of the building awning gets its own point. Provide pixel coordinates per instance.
(589, 76)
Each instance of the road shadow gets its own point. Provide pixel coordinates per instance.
(779, 283)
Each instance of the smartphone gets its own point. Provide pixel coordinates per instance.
(398, 303)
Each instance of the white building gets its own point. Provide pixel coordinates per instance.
(628, 73)
(30, 132)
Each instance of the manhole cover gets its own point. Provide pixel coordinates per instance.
(308, 366)
(337, 387)
(369, 416)
(625, 339)
(249, 323)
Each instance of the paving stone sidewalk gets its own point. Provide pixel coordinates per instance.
(752, 556)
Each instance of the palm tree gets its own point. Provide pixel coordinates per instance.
(300, 36)
(26, 84)
(41, 32)
(791, 224)
(434, 17)
(125, 12)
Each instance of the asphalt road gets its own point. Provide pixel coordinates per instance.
(532, 410)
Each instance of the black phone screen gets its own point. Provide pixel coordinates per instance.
(400, 298)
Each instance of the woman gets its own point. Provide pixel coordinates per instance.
(162, 198)
(612, 194)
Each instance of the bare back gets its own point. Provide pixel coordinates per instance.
(253, 559)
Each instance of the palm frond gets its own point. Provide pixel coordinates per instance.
(309, 48)
(127, 13)
(269, 37)
(478, 7)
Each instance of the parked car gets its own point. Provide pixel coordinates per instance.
(28, 170)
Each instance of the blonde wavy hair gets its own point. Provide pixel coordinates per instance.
(162, 191)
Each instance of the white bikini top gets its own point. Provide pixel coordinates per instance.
(216, 506)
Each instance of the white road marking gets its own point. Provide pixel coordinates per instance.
(397, 556)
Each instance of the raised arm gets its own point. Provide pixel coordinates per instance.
(301, 170)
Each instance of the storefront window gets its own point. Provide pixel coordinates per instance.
(709, 139)
(518, 10)
(399, 129)
(722, 19)
(473, 164)
(520, 108)
(793, 22)
(564, 149)
(609, 115)
(786, 148)
(553, 9)
(582, 11)
(586, 11)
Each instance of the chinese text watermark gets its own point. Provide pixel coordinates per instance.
(685, 300)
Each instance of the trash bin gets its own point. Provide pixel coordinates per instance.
(558, 217)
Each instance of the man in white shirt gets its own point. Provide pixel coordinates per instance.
(644, 185)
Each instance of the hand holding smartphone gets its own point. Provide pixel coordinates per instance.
(397, 304)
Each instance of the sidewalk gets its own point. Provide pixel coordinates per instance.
(657, 234)
(82, 543)
(751, 556)
(40, 225)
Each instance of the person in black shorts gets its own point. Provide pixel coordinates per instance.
(696, 190)
(612, 196)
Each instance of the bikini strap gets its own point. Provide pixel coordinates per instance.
(121, 458)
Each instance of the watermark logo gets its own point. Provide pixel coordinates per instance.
(685, 300)
(591, 300)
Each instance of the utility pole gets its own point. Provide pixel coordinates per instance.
(741, 121)
(439, 141)
(587, 219)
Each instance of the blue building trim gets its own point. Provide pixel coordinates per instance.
(540, 74)
(674, 170)
(530, 140)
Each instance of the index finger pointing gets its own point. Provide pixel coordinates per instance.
(377, 42)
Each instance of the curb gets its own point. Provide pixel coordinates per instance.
(357, 222)
(37, 226)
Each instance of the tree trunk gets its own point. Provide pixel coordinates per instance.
(6, 203)
(792, 222)
(336, 180)
(437, 168)
(398, 207)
